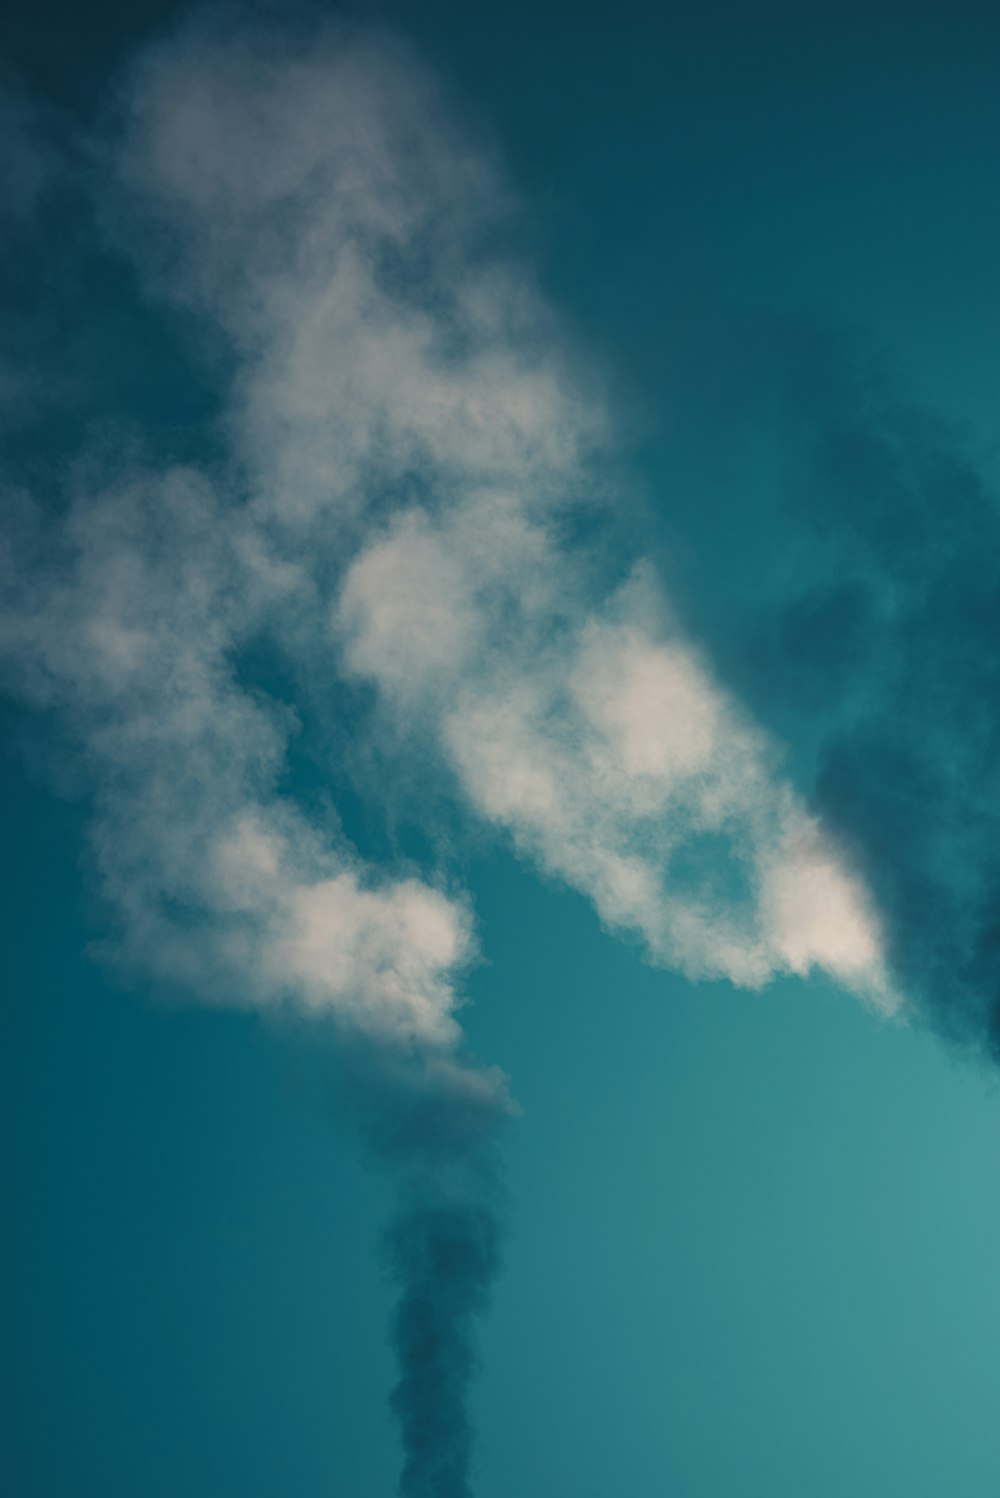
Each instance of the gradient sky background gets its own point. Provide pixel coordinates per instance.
(754, 1235)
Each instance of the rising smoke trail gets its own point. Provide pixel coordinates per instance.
(436, 1128)
(420, 446)
(409, 455)
(443, 1250)
(444, 1256)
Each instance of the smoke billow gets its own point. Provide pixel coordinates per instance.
(869, 641)
(908, 769)
(398, 528)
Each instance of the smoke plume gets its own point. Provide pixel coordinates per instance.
(882, 637)
(384, 541)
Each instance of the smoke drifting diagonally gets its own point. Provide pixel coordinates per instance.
(409, 456)
(885, 633)
(407, 408)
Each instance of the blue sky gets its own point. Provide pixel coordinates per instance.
(499, 569)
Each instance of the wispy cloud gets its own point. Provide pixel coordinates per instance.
(599, 739)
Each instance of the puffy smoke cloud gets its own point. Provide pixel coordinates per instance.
(323, 205)
(130, 626)
(407, 410)
(597, 736)
(405, 503)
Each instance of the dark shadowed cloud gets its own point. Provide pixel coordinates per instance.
(867, 621)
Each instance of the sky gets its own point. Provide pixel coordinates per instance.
(498, 602)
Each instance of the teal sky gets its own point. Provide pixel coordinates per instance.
(753, 1235)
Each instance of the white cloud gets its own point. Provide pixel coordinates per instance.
(327, 210)
(412, 443)
(601, 742)
(651, 704)
(399, 370)
(408, 607)
(818, 912)
(132, 631)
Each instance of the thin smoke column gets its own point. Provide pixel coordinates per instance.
(444, 1256)
(439, 1135)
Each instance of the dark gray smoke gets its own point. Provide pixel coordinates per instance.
(911, 772)
(434, 1128)
(444, 1255)
(871, 641)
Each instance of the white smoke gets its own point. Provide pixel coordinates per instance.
(411, 465)
(411, 444)
(130, 629)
